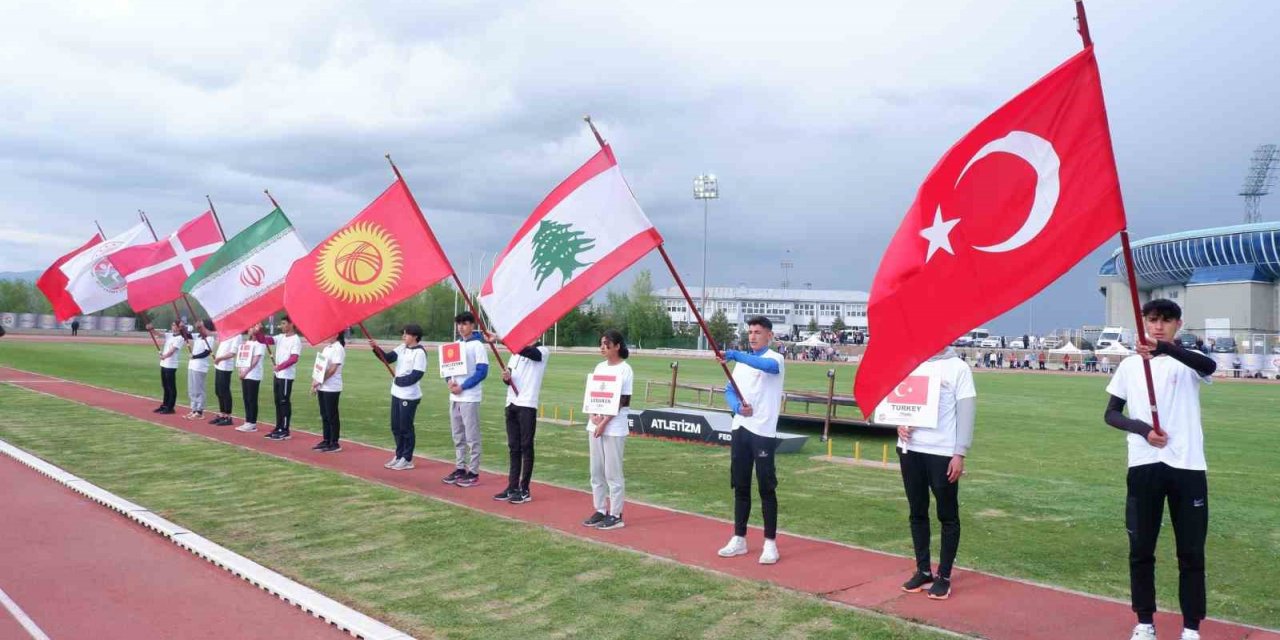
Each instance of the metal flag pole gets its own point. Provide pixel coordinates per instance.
(1082, 23)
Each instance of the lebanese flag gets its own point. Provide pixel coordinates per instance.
(586, 232)
(1016, 203)
(382, 256)
(154, 272)
(53, 282)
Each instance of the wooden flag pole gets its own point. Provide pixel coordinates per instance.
(151, 332)
(177, 315)
(1082, 26)
(101, 233)
(272, 199)
(715, 348)
(454, 274)
(370, 338)
(216, 220)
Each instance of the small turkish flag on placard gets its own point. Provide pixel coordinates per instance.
(914, 402)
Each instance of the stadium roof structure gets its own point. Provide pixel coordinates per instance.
(1238, 253)
(750, 293)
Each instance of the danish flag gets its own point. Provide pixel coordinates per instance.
(154, 272)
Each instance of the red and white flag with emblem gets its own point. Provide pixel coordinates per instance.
(154, 272)
(1017, 202)
(92, 281)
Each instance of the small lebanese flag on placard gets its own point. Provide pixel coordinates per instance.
(914, 402)
(451, 361)
(603, 395)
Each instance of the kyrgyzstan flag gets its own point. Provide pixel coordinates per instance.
(586, 232)
(1012, 206)
(382, 256)
(53, 283)
(154, 272)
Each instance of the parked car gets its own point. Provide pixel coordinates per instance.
(1052, 342)
(1187, 340)
(1224, 345)
(1017, 344)
(963, 341)
(990, 343)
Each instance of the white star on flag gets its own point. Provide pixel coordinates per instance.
(939, 235)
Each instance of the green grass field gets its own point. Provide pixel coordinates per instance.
(1043, 499)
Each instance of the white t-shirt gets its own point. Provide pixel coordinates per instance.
(174, 342)
(259, 351)
(335, 354)
(225, 348)
(408, 360)
(287, 346)
(1177, 397)
(763, 391)
(617, 425)
(200, 345)
(956, 384)
(527, 376)
(474, 352)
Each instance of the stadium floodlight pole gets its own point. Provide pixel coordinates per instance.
(1130, 269)
(706, 189)
(454, 274)
(683, 290)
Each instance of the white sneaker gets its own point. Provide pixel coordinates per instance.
(1144, 632)
(737, 547)
(403, 465)
(248, 427)
(770, 553)
(1190, 634)
(392, 463)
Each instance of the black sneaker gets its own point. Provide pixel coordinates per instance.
(166, 411)
(333, 448)
(227, 421)
(506, 495)
(611, 522)
(917, 582)
(320, 446)
(159, 409)
(468, 479)
(520, 497)
(216, 421)
(941, 589)
(595, 519)
(452, 478)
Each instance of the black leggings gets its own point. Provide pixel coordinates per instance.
(522, 424)
(1188, 495)
(222, 389)
(249, 392)
(922, 473)
(284, 407)
(747, 450)
(329, 415)
(169, 384)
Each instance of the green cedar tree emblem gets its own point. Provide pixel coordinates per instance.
(556, 248)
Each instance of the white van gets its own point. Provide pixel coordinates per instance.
(1115, 335)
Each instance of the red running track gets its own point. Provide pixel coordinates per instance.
(81, 570)
(982, 604)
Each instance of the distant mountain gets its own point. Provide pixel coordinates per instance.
(29, 276)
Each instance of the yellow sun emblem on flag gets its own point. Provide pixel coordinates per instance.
(360, 264)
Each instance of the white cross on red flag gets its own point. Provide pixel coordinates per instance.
(154, 272)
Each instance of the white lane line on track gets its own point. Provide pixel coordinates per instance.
(22, 617)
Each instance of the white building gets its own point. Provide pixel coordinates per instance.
(790, 310)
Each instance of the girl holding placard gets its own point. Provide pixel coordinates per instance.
(249, 365)
(326, 383)
(224, 366)
(608, 395)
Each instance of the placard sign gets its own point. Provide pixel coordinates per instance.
(603, 395)
(244, 355)
(452, 361)
(322, 364)
(914, 402)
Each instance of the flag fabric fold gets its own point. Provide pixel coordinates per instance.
(1017, 202)
(154, 272)
(53, 282)
(382, 256)
(243, 282)
(584, 233)
(92, 281)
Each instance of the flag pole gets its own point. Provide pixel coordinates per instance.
(1082, 26)
(370, 338)
(216, 220)
(272, 199)
(101, 233)
(454, 274)
(715, 348)
(176, 314)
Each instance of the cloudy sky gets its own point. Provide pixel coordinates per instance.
(820, 119)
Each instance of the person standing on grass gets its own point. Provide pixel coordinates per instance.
(288, 351)
(525, 371)
(932, 460)
(75, 327)
(170, 347)
(327, 392)
(198, 369)
(251, 378)
(411, 363)
(465, 394)
(1169, 467)
(607, 438)
(758, 375)
(224, 364)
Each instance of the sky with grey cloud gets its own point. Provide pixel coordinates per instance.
(820, 119)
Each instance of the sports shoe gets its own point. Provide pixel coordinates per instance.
(917, 582)
(158, 409)
(1144, 632)
(941, 589)
(1190, 634)
(595, 519)
(333, 448)
(278, 435)
(506, 495)
(190, 415)
(392, 462)
(166, 411)
(452, 478)
(320, 445)
(468, 479)
(521, 497)
(403, 465)
(611, 522)
(737, 547)
(197, 415)
(217, 420)
(770, 553)
(248, 427)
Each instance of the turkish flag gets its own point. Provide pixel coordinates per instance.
(154, 272)
(382, 256)
(913, 390)
(53, 283)
(1017, 202)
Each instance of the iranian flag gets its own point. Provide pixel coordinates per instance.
(586, 232)
(243, 282)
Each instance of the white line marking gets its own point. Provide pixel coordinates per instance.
(22, 617)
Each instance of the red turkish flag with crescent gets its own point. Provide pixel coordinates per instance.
(1016, 203)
